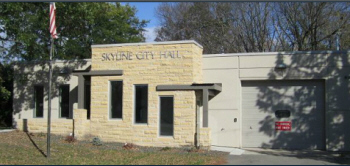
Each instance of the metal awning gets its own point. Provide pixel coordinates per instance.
(207, 89)
(98, 73)
(87, 72)
(213, 88)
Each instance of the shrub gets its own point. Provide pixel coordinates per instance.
(96, 141)
(165, 149)
(196, 150)
(129, 146)
(70, 139)
(41, 134)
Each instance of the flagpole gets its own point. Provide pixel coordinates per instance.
(53, 36)
(49, 102)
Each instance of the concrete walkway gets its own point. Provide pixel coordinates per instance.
(231, 151)
(6, 130)
(259, 156)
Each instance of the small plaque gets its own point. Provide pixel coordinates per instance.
(283, 125)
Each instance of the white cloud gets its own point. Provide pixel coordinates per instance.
(150, 34)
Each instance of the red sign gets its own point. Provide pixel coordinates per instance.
(283, 125)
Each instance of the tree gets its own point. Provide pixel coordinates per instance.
(219, 27)
(209, 23)
(311, 25)
(24, 36)
(256, 26)
(25, 28)
(6, 77)
(254, 29)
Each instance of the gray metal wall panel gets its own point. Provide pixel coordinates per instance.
(223, 128)
(305, 100)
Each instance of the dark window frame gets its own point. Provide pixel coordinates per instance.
(60, 98)
(87, 98)
(110, 100)
(35, 101)
(160, 116)
(137, 101)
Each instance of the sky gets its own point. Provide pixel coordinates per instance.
(146, 11)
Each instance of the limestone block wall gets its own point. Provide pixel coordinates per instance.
(205, 137)
(198, 65)
(146, 64)
(36, 73)
(81, 124)
(31, 74)
(58, 126)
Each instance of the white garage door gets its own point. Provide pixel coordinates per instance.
(299, 102)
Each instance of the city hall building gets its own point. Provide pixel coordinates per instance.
(170, 94)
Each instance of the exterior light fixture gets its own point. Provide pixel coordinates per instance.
(64, 71)
(281, 66)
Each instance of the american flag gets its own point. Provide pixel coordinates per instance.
(53, 20)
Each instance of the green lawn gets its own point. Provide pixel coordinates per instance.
(21, 148)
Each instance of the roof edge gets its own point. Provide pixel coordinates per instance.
(275, 53)
(149, 43)
(53, 61)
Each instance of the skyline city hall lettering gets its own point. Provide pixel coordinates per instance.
(142, 55)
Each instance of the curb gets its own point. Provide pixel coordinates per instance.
(6, 130)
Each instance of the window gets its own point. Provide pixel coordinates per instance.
(116, 99)
(38, 101)
(87, 102)
(64, 101)
(141, 103)
(166, 116)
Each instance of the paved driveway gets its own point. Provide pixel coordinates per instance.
(256, 156)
